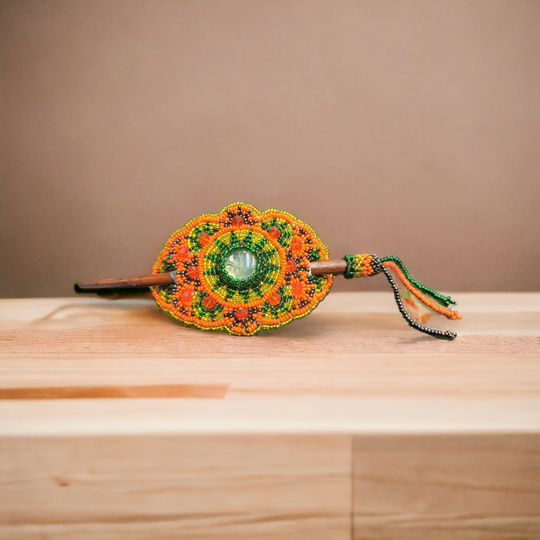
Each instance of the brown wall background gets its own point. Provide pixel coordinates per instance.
(407, 127)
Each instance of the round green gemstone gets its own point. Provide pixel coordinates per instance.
(240, 264)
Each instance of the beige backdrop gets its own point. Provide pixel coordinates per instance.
(392, 127)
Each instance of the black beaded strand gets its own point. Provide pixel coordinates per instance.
(418, 326)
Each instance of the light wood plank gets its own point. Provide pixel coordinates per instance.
(182, 487)
(272, 416)
(446, 487)
(303, 374)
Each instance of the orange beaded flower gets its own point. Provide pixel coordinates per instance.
(242, 270)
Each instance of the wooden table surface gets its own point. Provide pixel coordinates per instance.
(116, 422)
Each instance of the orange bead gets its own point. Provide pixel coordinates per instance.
(183, 253)
(297, 288)
(291, 265)
(296, 244)
(242, 314)
(237, 221)
(204, 238)
(186, 296)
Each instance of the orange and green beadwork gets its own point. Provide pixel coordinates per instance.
(242, 270)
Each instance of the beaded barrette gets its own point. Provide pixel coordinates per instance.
(242, 270)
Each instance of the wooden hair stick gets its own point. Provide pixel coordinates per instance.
(168, 278)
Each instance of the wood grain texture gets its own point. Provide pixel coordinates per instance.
(446, 487)
(106, 392)
(262, 415)
(344, 416)
(176, 487)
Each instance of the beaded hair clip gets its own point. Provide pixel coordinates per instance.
(242, 270)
